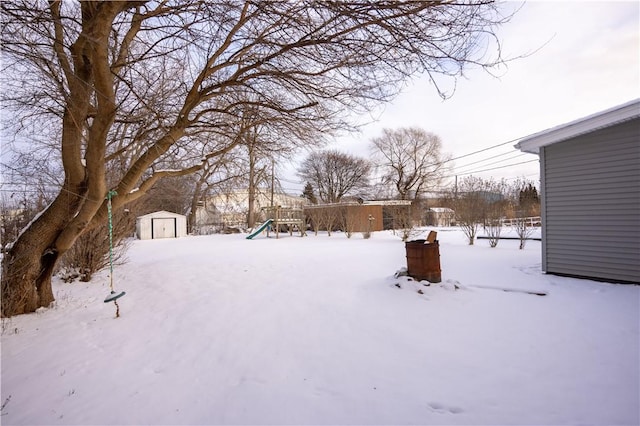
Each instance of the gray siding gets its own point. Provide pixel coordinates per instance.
(591, 204)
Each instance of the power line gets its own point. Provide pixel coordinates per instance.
(483, 150)
(491, 158)
(289, 181)
(495, 168)
(458, 172)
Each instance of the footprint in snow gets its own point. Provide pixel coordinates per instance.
(443, 409)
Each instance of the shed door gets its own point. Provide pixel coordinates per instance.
(163, 227)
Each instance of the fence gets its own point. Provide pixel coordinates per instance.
(530, 221)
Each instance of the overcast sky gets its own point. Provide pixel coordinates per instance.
(588, 60)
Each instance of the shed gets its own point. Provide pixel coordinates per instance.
(590, 195)
(161, 224)
(441, 216)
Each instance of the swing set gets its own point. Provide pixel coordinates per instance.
(113, 296)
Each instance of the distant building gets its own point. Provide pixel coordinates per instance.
(440, 216)
(231, 209)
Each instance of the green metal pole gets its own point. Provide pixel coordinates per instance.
(109, 196)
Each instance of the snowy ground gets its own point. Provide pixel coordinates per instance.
(223, 330)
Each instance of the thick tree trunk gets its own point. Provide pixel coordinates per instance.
(28, 265)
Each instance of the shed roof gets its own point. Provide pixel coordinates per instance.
(441, 210)
(161, 213)
(599, 120)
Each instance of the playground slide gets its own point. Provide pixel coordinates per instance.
(259, 229)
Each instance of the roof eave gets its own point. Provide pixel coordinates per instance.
(600, 120)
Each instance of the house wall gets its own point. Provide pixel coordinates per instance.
(591, 204)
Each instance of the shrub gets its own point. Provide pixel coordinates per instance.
(90, 253)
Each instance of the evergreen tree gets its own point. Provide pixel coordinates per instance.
(308, 193)
(529, 199)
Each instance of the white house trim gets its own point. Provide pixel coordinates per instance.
(600, 120)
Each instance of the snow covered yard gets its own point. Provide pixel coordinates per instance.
(316, 330)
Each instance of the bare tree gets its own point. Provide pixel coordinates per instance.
(314, 215)
(494, 206)
(349, 220)
(16, 211)
(401, 219)
(524, 230)
(172, 194)
(493, 229)
(335, 174)
(91, 251)
(479, 202)
(468, 204)
(410, 160)
(265, 146)
(213, 175)
(137, 82)
(330, 217)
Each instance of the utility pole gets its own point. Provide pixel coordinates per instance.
(272, 180)
(456, 188)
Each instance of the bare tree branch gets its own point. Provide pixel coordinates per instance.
(410, 160)
(132, 86)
